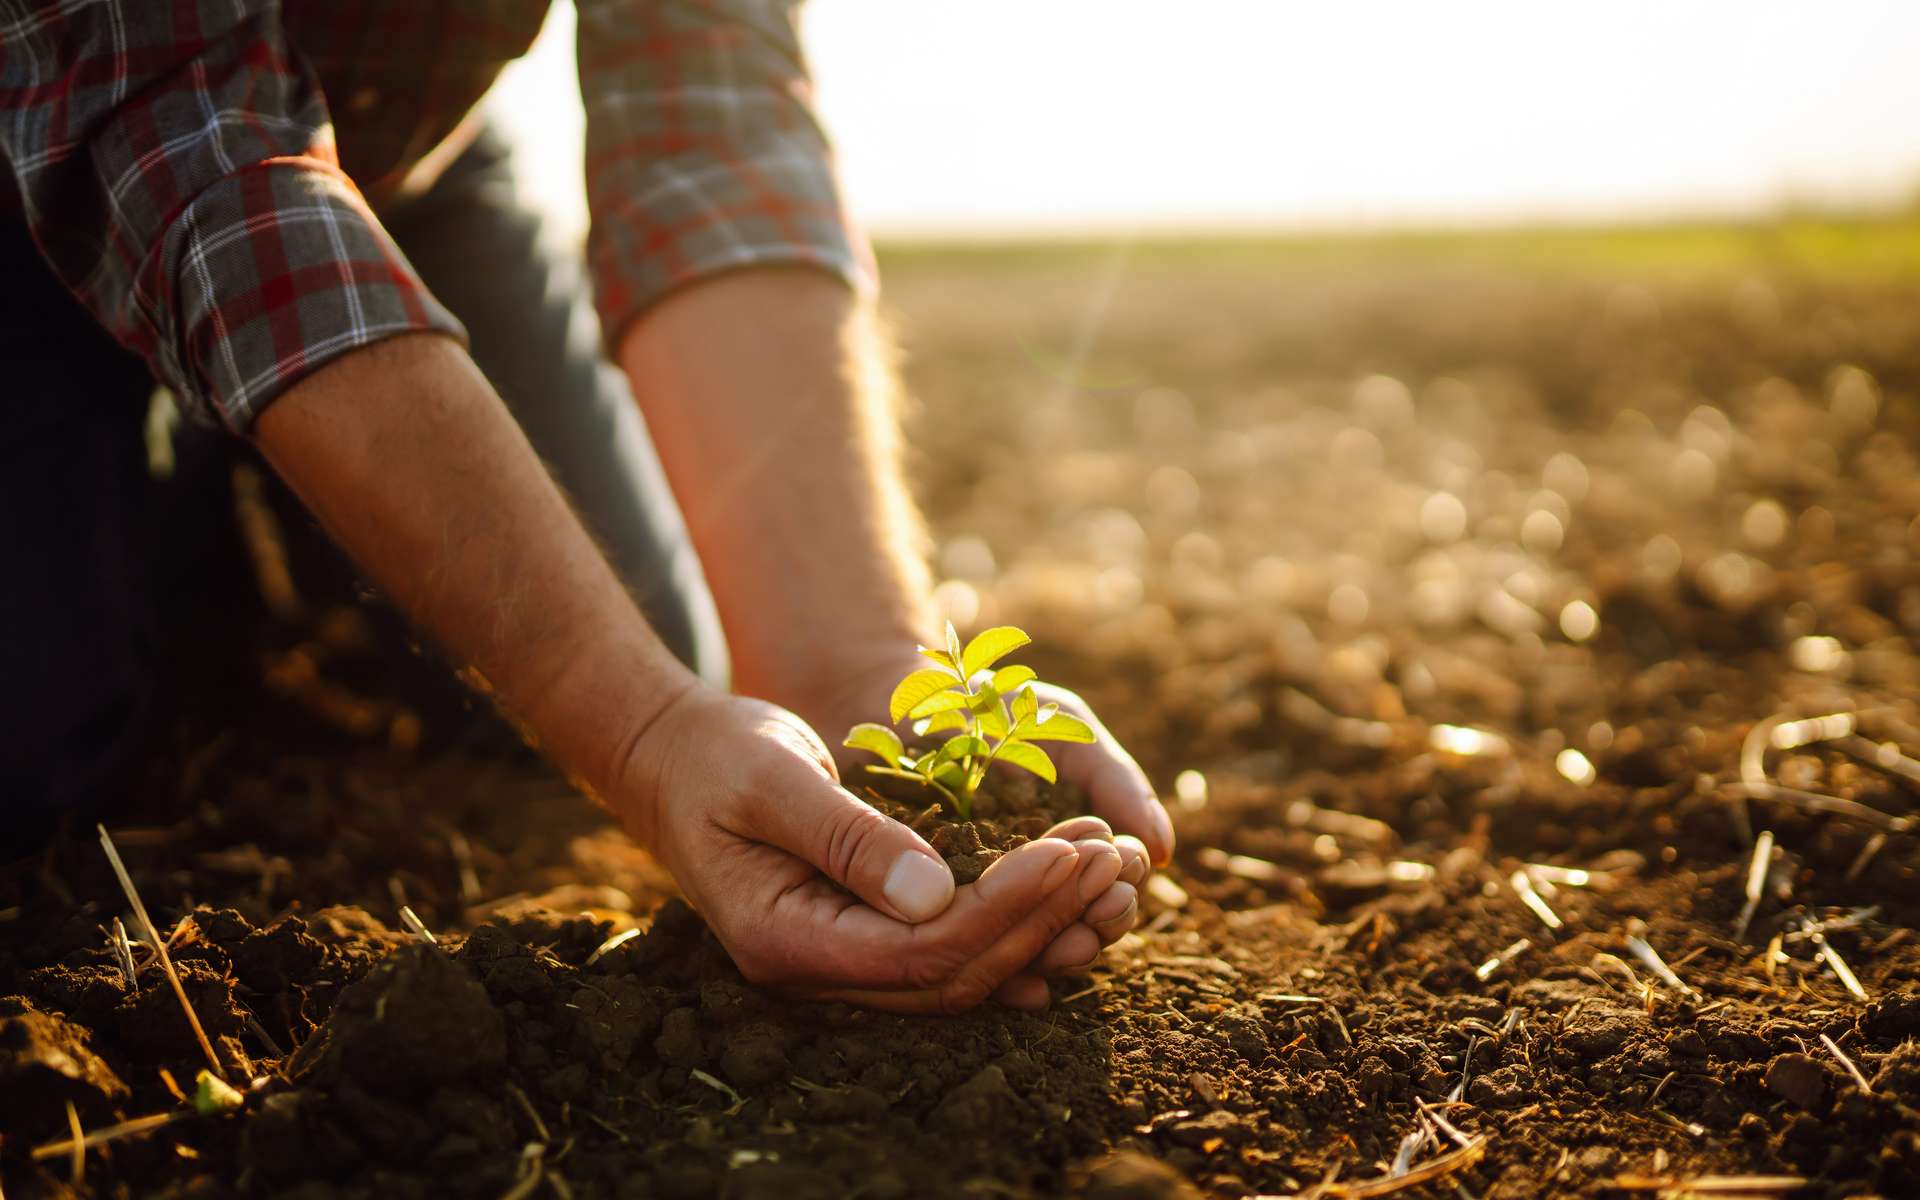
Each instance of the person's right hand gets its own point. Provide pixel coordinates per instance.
(810, 888)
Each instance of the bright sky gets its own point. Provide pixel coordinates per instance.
(1064, 114)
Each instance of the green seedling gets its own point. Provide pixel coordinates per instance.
(993, 717)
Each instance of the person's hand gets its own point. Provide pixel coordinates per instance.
(1125, 811)
(811, 889)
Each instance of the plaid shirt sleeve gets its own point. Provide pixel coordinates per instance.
(178, 174)
(703, 152)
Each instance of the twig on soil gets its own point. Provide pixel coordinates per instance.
(1884, 755)
(1651, 957)
(1435, 1113)
(462, 852)
(1756, 882)
(1791, 735)
(1485, 970)
(1755, 785)
(1427, 1172)
(533, 1114)
(610, 945)
(1867, 854)
(1661, 1087)
(1247, 867)
(532, 1171)
(160, 949)
(77, 1171)
(1081, 994)
(111, 1133)
(1568, 876)
(123, 954)
(1409, 1146)
(602, 1123)
(718, 1086)
(417, 927)
(1841, 971)
(1851, 920)
(1834, 1049)
(1466, 1071)
(1522, 885)
(260, 1031)
(1692, 1127)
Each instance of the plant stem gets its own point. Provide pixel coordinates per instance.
(935, 784)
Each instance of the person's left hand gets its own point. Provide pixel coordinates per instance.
(1124, 809)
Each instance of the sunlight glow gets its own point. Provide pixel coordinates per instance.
(1129, 115)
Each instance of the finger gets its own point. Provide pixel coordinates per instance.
(1135, 862)
(1110, 916)
(1114, 914)
(1097, 868)
(1073, 950)
(1074, 828)
(854, 844)
(1027, 993)
(1119, 791)
(1117, 788)
(817, 936)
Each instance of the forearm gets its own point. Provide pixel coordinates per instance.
(411, 462)
(768, 394)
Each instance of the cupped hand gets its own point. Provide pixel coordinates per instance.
(811, 889)
(1125, 812)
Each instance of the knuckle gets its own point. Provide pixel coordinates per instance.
(855, 828)
(921, 974)
(963, 992)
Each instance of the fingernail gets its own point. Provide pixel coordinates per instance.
(918, 886)
(1059, 872)
(1103, 867)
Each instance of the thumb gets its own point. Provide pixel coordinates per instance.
(860, 848)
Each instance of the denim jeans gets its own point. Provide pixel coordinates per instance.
(94, 553)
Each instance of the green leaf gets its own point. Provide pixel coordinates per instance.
(939, 702)
(1057, 728)
(940, 723)
(1007, 680)
(992, 722)
(915, 688)
(1025, 705)
(924, 764)
(212, 1095)
(941, 657)
(957, 748)
(953, 775)
(1030, 758)
(875, 739)
(985, 699)
(953, 646)
(990, 646)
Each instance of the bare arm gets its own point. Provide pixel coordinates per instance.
(412, 463)
(768, 394)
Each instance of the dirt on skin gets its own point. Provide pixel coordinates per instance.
(1396, 582)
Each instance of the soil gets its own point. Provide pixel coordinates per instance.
(1397, 582)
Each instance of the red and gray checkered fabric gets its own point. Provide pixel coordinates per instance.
(197, 171)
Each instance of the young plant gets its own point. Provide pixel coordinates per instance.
(994, 717)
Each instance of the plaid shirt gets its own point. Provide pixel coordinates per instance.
(197, 171)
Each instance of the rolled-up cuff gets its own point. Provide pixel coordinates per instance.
(270, 274)
(662, 223)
